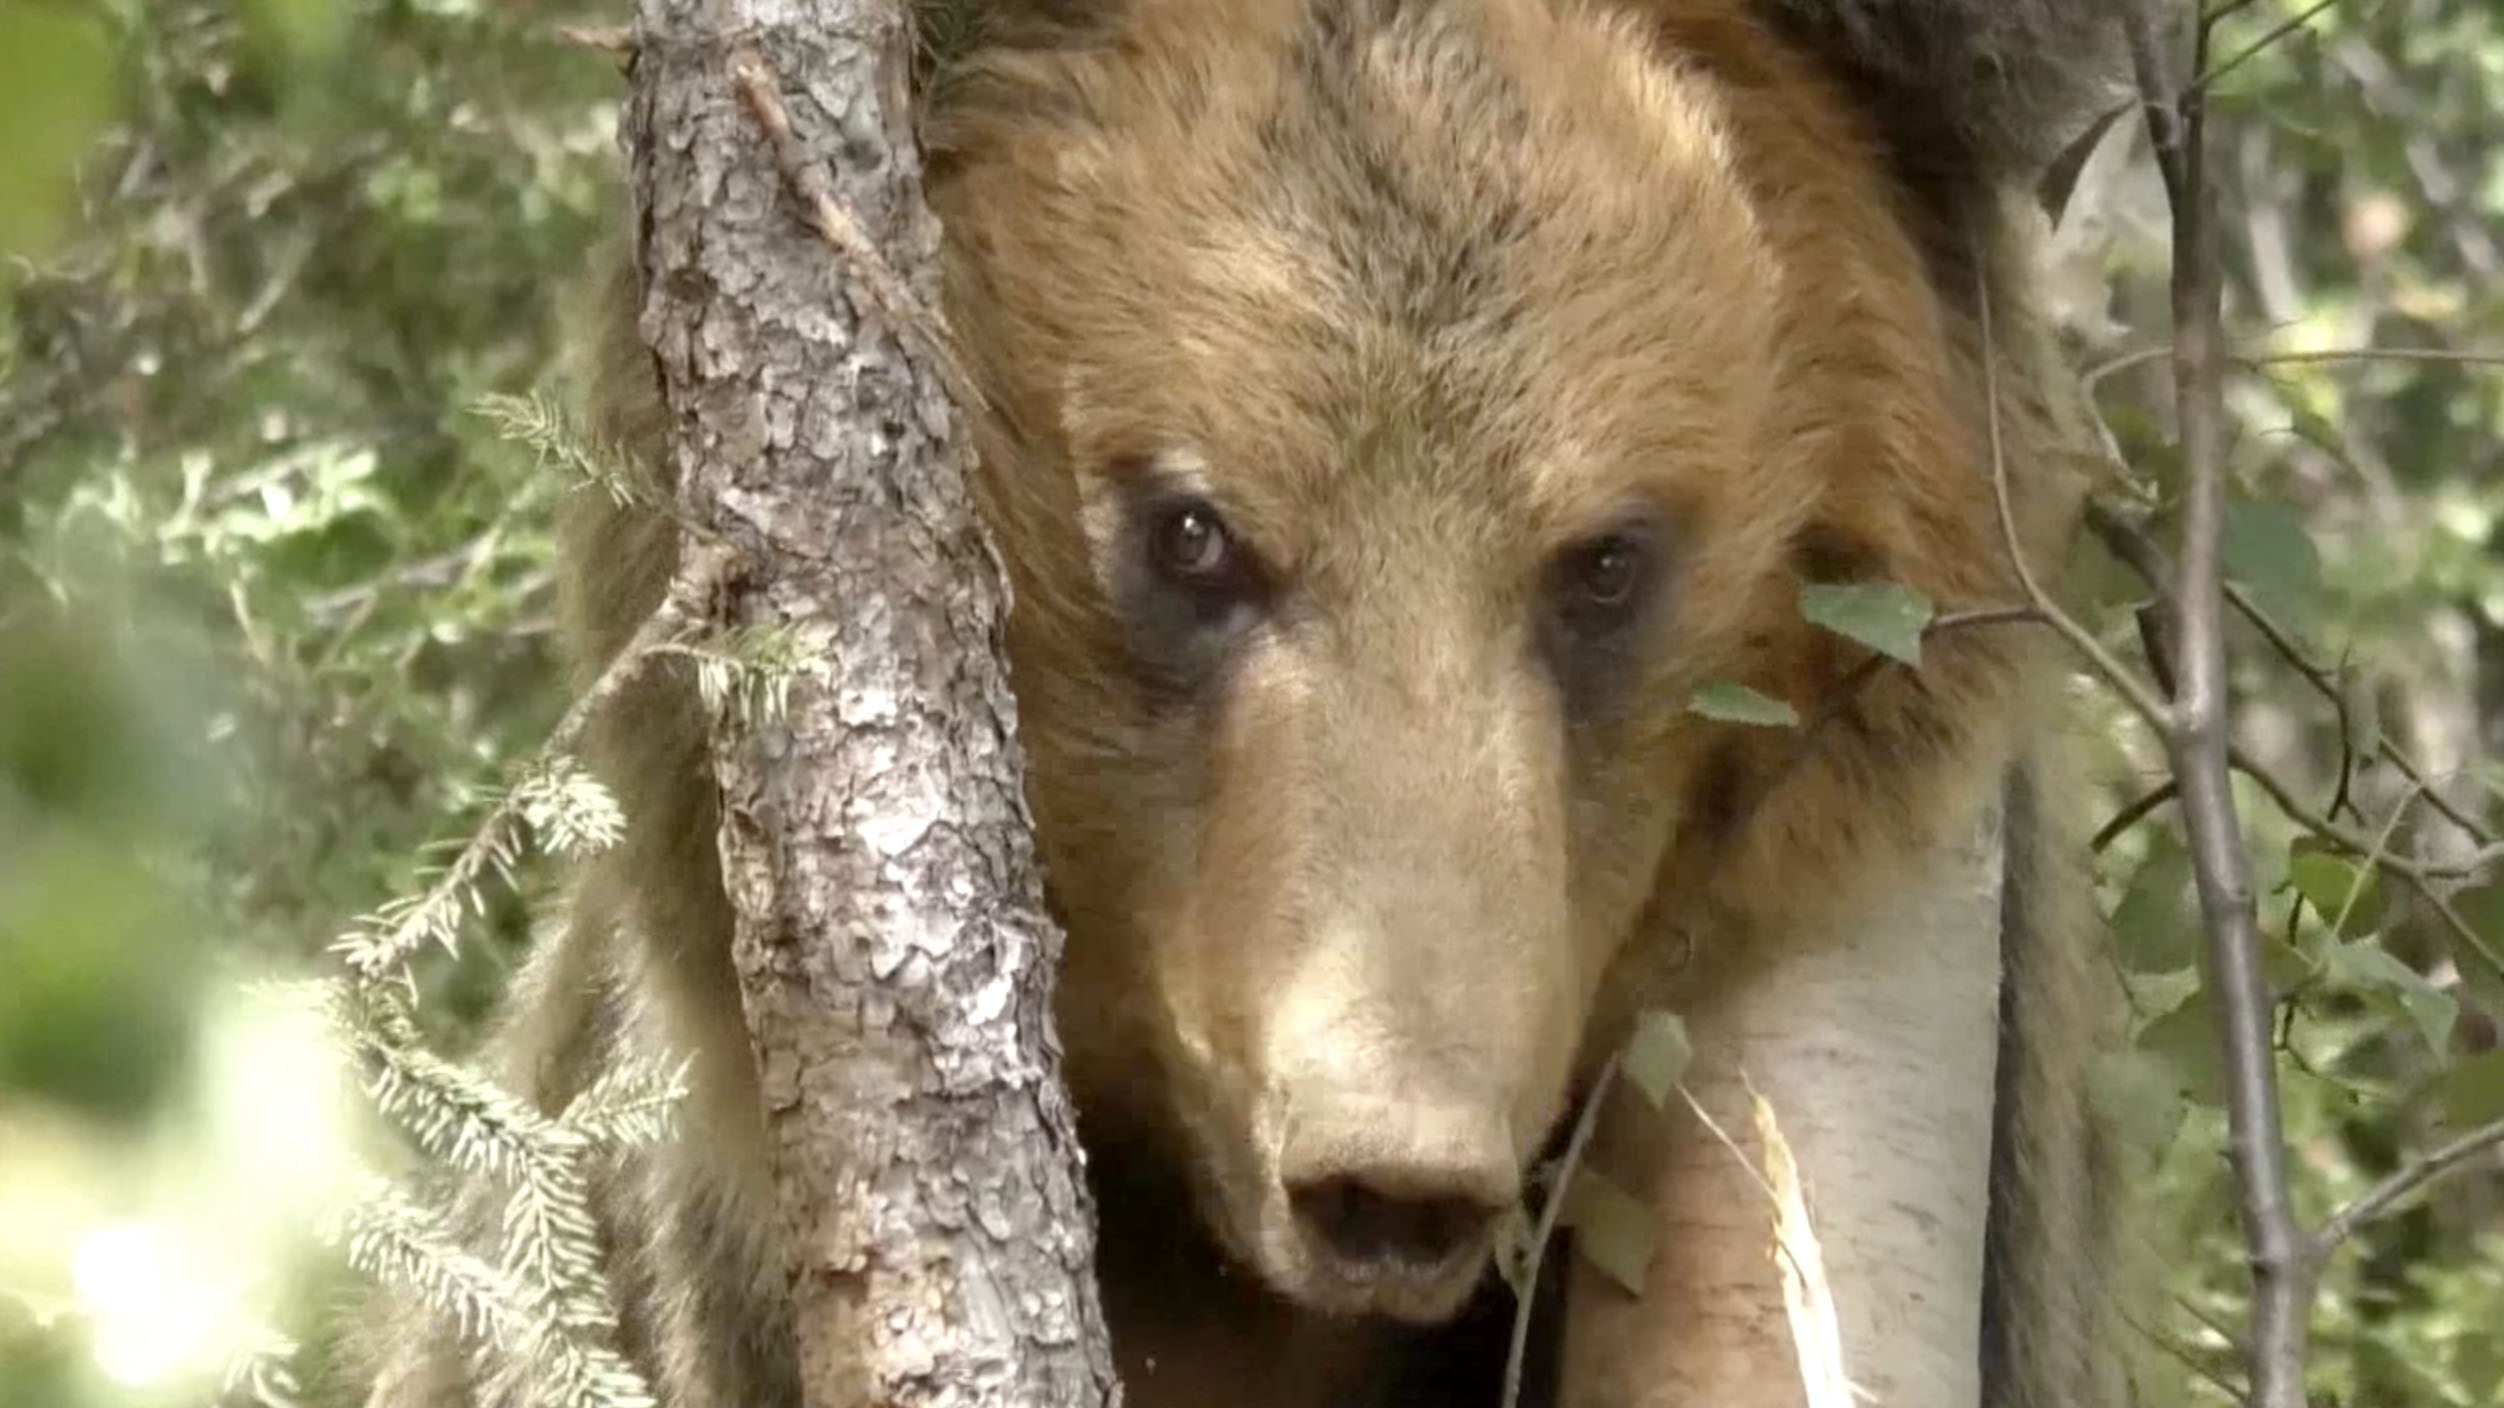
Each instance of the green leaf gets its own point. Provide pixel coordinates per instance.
(2060, 179)
(2138, 1090)
(2184, 1043)
(1657, 1055)
(2482, 909)
(2365, 965)
(1612, 1229)
(2473, 1090)
(1729, 703)
(2268, 551)
(2157, 923)
(2334, 886)
(1885, 617)
(55, 94)
(2152, 995)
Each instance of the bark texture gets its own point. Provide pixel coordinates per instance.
(893, 950)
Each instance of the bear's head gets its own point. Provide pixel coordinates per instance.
(1400, 409)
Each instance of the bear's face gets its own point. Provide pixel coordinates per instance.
(1386, 457)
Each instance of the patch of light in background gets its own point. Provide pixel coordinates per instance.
(153, 1310)
(170, 1268)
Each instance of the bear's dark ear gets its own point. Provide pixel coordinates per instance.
(1967, 94)
(967, 58)
(954, 31)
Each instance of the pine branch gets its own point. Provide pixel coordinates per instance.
(459, 1117)
(540, 423)
(384, 944)
(387, 1236)
(633, 1102)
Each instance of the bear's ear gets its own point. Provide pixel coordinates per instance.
(980, 61)
(953, 32)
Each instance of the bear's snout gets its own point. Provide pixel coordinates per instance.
(1398, 1191)
(1388, 1205)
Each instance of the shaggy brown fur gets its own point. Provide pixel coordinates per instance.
(1411, 402)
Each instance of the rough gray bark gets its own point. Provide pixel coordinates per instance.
(893, 950)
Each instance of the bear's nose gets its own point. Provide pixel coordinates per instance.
(1385, 1188)
(1366, 1224)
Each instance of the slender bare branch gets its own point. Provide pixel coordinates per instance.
(2199, 741)
(2136, 357)
(615, 40)
(2130, 816)
(2275, 33)
(2190, 1358)
(1875, 664)
(2380, 1198)
(1571, 1159)
(2107, 666)
(2224, 10)
(1858, 677)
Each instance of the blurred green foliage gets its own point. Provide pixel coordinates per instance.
(275, 603)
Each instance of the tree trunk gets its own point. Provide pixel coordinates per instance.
(894, 955)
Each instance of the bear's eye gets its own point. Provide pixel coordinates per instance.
(1191, 545)
(1601, 583)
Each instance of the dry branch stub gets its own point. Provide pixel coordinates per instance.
(893, 951)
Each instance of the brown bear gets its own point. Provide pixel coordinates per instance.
(1414, 402)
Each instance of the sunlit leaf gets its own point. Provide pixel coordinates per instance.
(2060, 178)
(1726, 702)
(1656, 1056)
(2152, 995)
(2283, 965)
(1885, 617)
(1612, 1229)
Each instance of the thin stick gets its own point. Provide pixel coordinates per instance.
(1565, 1166)
(2199, 742)
(2377, 1200)
(2110, 668)
(2188, 1358)
(2130, 816)
(2252, 50)
(834, 222)
(1858, 677)
(2096, 375)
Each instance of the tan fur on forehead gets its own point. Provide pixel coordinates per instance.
(1329, 239)
(1476, 276)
